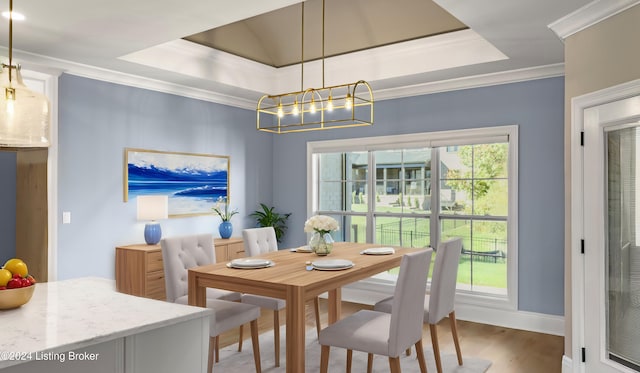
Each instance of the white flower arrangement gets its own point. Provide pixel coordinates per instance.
(321, 224)
(223, 212)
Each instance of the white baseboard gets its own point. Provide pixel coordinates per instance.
(567, 364)
(515, 319)
(480, 313)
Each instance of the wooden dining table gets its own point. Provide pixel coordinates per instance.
(291, 280)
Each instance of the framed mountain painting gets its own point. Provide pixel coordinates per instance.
(192, 182)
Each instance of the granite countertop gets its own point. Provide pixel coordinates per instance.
(71, 314)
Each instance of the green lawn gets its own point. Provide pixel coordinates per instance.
(485, 273)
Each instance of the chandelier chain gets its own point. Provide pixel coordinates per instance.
(323, 43)
(302, 51)
(10, 38)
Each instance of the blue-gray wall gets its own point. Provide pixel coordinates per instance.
(98, 120)
(537, 107)
(7, 206)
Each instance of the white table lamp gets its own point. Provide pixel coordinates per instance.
(152, 208)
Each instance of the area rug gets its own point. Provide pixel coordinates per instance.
(242, 362)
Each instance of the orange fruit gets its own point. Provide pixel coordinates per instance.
(5, 276)
(16, 266)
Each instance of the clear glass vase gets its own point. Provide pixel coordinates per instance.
(321, 243)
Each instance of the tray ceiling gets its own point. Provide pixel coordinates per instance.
(274, 38)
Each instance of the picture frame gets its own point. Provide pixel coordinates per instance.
(193, 182)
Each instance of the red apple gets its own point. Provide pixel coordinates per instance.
(14, 283)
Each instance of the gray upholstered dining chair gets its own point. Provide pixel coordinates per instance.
(190, 251)
(259, 241)
(381, 333)
(441, 299)
(181, 253)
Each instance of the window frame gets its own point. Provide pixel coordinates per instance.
(507, 133)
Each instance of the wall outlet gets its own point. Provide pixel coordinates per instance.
(66, 217)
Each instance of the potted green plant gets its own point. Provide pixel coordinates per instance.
(267, 217)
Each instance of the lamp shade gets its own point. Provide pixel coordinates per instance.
(152, 207)
(24, 114)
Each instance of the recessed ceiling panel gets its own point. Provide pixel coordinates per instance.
(274, 38)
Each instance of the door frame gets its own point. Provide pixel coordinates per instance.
(47, 84)
(578, 106)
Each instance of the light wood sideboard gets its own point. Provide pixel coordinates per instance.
(140, 271)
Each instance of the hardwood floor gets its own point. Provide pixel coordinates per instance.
(510, 350)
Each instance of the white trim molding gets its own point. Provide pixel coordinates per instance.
(567, 364)
(589, 15)
(53, 65)
(476, 81)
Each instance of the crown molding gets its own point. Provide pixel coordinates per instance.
(589, 15)
(33, 62)
(161, 86)
(54, 66)
(476, 81)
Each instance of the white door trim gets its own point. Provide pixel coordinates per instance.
(48, 85)
(578, 106)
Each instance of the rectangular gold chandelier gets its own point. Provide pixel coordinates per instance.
(313, 109)
(340, 106)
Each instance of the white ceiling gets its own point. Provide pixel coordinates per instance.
(139, 42)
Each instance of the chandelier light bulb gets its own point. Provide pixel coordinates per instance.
(295, 110)
(348, 102)
(280, 111)
(330, 104)
(312, 106)
(10, 109)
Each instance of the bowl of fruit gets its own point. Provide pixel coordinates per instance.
(16, 285)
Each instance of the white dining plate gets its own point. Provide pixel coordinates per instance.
(250, 263)
(378, 251)
(302, 249)
(270, 264)
(332, 264)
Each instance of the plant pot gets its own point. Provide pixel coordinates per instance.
(225, 229)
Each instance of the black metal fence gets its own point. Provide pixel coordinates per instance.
(476, 249)
(485, 244)
(390, 234)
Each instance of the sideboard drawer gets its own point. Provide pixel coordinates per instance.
(154, 261)
(155, 285)
(139, 271)
(235, 250)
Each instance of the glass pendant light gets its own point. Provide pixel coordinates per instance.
(24, 114)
